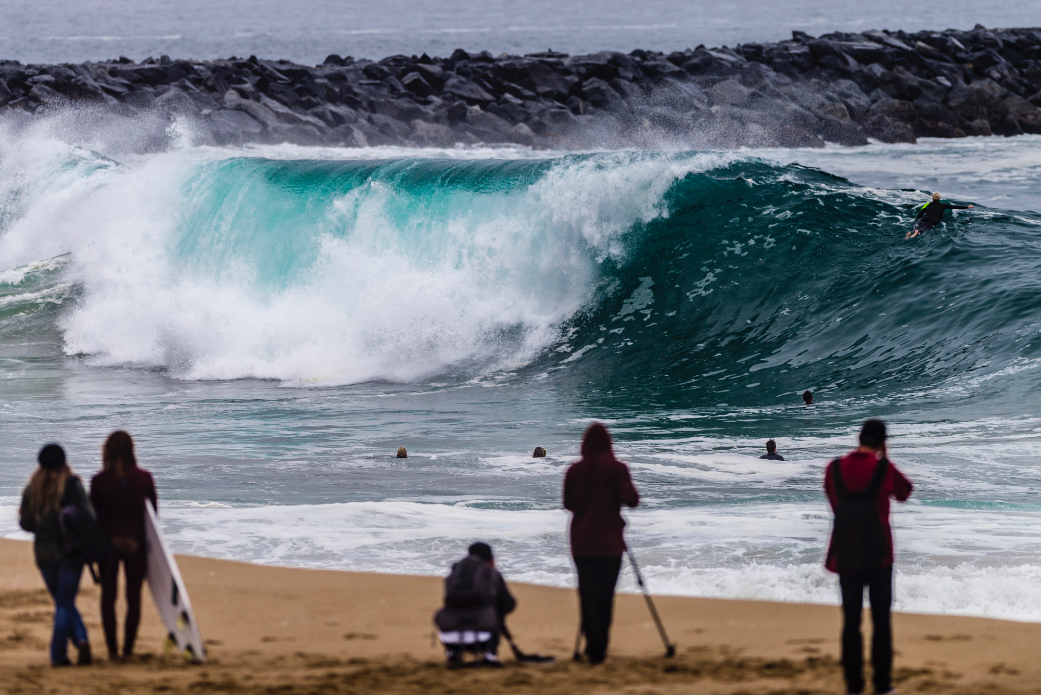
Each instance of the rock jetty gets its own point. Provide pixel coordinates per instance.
(841, 88)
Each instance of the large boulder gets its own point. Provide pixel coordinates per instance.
(467, 91)
(888, 129)
(977, 101)
(1026, 114)
(600, 94)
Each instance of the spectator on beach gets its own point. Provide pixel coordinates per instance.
(771, 452)
(477, 602)
(52, 490)
(859, 486)
(119, 493)
(595, 488)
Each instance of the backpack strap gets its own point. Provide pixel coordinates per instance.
(876, 480)
(873, 487)
(836, 475)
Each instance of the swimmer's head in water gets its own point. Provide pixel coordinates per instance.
(936, 197)
(807, 397)
(771, 446)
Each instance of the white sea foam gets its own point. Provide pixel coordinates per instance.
(950, 561)
(52, 295)
(386, 295)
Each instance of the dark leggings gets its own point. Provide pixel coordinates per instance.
(597, 577)
(134, 567)
(880, 593)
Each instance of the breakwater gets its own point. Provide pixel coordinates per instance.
(840, 87)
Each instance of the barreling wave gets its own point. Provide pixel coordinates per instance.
(679, 274)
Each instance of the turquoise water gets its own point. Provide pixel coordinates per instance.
(272, 323)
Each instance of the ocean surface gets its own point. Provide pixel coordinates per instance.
(48, 31)
(272, 323)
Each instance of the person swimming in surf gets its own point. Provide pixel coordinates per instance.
(930, 214)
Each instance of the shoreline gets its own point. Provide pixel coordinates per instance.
(303, 630)
(841, 88)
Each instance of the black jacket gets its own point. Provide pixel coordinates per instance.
(47, 545)
(486, 617)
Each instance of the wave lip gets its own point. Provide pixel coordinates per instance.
(330, 272)
(688, 275)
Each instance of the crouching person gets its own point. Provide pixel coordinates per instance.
(476, 604)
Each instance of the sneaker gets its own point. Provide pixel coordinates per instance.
(491, 660)
(60, 664)
(85, 659)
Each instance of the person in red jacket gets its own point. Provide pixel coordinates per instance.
(119, 493)
(595, 488)
(861, 550)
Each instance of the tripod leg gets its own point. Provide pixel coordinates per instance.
(670, 649)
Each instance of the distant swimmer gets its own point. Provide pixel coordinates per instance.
(930, 214)
(771, 452)
(807, 397)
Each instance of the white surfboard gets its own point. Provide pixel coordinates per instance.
(171, 597)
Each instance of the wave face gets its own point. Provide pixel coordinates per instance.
(676, 275)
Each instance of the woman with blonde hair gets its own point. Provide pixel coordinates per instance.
(119, 493)
(52, 489)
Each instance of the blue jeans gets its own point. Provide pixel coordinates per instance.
(63, 581)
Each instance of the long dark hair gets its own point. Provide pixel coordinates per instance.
(117, 455)
(47, 484)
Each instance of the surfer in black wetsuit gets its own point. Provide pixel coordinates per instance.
(930, 214)
(771, 452)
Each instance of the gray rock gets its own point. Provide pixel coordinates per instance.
(432, 134)
(887, 129)
(731, 93)
(1026, 114)
(467, 91)
(415, 83)
(261, 114)
(232, 122)
(837, 87)
(599, 94)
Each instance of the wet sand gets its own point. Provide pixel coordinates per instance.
(271, 629)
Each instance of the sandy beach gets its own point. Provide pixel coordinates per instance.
(272, 629)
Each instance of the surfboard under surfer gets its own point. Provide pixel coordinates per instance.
(930, 214)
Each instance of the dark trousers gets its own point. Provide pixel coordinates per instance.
(597, 577)
(63, 582)
(880, 593)
(134, 567)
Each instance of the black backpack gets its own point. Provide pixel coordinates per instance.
(858, 538)
(81, 534)
(471, 584)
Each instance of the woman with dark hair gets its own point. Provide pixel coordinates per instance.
(52, 488)
(119, 493)
(595, 488)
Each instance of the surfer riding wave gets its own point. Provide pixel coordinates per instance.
(930, 215)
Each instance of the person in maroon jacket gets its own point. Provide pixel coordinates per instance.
(595, 488)
(865, 477)
(119, 493)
